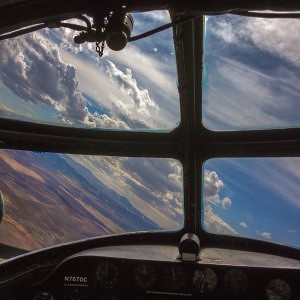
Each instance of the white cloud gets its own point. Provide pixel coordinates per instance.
(241, 97)
(158, 77)
(211, 195)
(125, 81)
(214, 224)
(32, 68)
(226, 203)
(212, 188)
(243, 224)
(249, 84)
(104, 121)
(149, 20)
(141, 87)
(276, 36)
(267, 235)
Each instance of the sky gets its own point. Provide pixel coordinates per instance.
(46, 77)
(251, 73)
(251, 81)
(253, 197)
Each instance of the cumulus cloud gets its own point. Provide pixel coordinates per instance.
(267, 235)
(214, 224)
(212, 188)
(104, 121)
(154, 74)
(212, 200)
(128, 84)
(132, 84)
(244, 225)
(226, 203)
(31, 67)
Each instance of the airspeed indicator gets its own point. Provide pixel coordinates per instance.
(205, 280)
(107, 274)
(174, 278)
(144, 276)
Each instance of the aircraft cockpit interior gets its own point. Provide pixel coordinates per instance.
(149, 150)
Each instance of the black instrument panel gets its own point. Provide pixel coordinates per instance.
(156, 272)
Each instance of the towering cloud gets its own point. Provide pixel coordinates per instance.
(211, 196)
(32, 68)
(212, 188)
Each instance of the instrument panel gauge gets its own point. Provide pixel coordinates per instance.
(43, 295)
(205, 280)
(278, 289)
(109, 297)
(107, 274)
(236, 282)
(174, 278)
(144, 276)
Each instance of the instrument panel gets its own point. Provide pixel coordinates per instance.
(156, 272)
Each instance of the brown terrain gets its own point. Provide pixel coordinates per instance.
(48, 202)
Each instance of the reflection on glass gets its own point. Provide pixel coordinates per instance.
(253, 197)
(251, 73)
(47, 78)
(51, 198)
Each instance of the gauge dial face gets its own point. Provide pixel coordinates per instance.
(236, 282)
(205, 280)
(43, 295)
(278, 289)
(107, 274)
(144, 276)
(174, 278)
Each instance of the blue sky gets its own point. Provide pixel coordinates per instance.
(251, 77)
(263, 198)
(251, 81)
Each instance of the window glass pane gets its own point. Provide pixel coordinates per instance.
(51, 198)
(251, 73)
(47, 78)
(253, 197)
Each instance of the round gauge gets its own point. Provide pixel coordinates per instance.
(43, 295)
(174, 278)
(75, 295)
(107, 274)
(108, 297)
(236, 282)
(278, 289)
(205, 280)
(144, 276)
